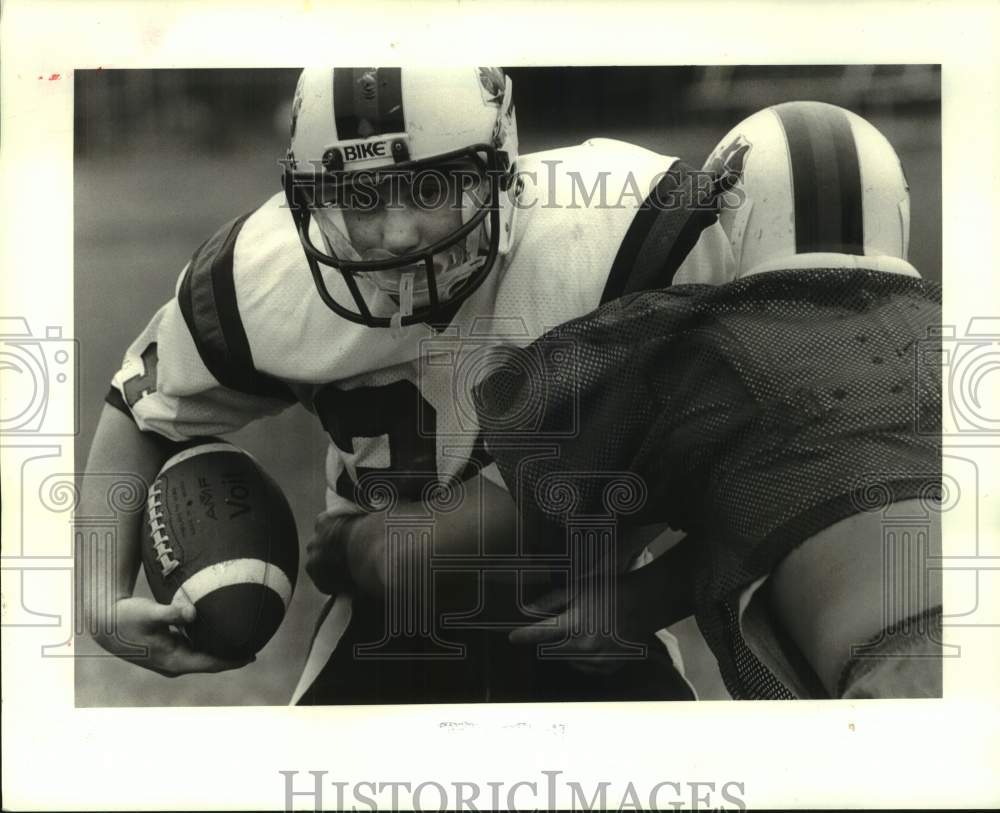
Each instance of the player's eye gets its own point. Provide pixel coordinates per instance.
(430, 190)
(363, 198)
(380, 198)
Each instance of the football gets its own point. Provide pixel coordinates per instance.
(220, 529)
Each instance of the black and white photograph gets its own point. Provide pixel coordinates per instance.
(524, 384)
(432, 435)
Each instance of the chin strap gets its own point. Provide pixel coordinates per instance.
(405, 303)
(406, 294)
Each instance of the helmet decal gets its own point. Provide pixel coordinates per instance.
(727, 161)
(727, 164)
(368, 101)
(826, 178)
(492, 84)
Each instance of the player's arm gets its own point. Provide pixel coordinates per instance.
(182, 378)
(352, 548)
(119, 450)
(647, 599)
(839, 591)
(135, 628)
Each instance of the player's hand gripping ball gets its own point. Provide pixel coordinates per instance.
(220, 529)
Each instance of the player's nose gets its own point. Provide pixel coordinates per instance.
(400, 229)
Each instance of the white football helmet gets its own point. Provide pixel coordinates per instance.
(808, 184)
(355, 128)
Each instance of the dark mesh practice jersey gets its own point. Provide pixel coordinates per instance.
(756, 414)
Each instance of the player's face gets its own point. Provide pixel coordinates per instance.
(403, 214)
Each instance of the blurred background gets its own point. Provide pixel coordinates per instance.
(164, 157)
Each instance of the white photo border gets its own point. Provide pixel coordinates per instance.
(924, 753)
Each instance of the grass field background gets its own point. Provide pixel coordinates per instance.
(141, 211)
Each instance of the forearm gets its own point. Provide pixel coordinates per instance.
(483, 523)
(120, 454)
(138, 629)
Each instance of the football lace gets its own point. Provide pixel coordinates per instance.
(161, 542)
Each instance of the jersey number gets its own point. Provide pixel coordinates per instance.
(397, 411)
(139, 386)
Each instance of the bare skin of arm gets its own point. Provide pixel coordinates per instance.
(134, 628)
(833, 592)
(836, 590)
(827, 594)
(352, 549)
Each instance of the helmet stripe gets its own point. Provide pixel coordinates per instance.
(826, 179)
(367, 102)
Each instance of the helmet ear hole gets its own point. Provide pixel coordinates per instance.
(400, 152)
(333, 160)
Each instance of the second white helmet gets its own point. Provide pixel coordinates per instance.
(808, 184)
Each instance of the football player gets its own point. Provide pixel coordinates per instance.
(410, 241)
(785, 421)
